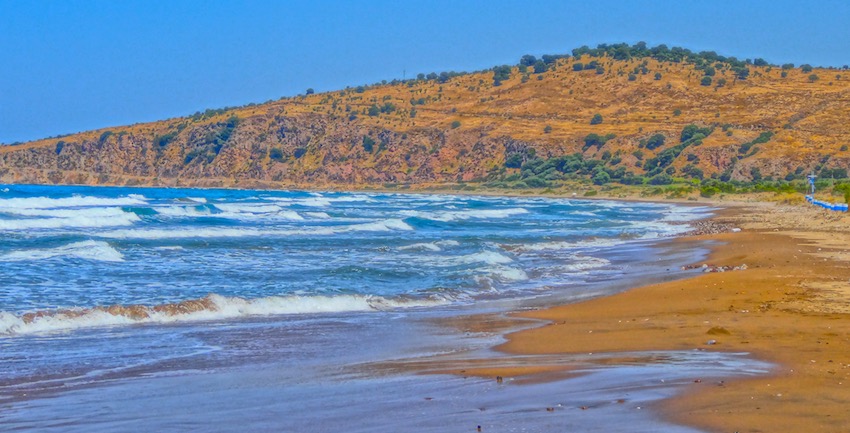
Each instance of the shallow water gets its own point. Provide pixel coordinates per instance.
(118, 303)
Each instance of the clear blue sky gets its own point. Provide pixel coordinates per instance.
(70, 66)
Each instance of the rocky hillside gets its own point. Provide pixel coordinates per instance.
(615, 113)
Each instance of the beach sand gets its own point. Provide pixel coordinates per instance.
(789, 307)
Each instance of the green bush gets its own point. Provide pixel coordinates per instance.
(601, 178)
(514, 160)
(456, 124)
(654, 142)
(368, 143)
(597, 119)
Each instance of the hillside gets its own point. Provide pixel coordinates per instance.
(750, 121)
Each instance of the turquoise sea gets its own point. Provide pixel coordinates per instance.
(237, 310)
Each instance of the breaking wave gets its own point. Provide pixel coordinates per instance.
(69, 218)
(88, 250)
(448, 216)
(75, 201)
(213, 232)
(210, 308)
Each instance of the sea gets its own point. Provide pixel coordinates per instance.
(163, 309)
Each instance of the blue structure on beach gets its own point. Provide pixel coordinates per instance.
(824, 204)
(842, 207)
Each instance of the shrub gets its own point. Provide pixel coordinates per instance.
(677, 112)
(547, 129)
(706, 81)
(661, 179)
(105, 136)
(540, 67)
(577, 66)
(299, 152)
(368, 143)
(813, 78)
(527, 60)
(806, 68)
(654, 142)
(310, 91)
(597, 119)
(709, 191)
(163, 140)
(276, 154)
(632, 77)
(657, 76)
(456, 124)
(601, 178)
(61, 145)
(536, 182)
(515, 160)
(691, 130)
(374, 110)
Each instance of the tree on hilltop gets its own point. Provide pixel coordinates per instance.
(528, 60)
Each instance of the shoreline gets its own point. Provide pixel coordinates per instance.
(788, 307)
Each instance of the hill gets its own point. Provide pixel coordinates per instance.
(616, 113)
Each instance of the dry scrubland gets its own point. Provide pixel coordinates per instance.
(464, 128)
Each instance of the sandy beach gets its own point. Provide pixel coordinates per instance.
(786, 303)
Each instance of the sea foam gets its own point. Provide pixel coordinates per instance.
(209, 308)
(448, 216)
(88, 250)
(75, 201)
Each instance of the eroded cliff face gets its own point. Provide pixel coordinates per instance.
(464, 130)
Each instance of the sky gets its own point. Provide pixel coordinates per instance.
(71, 66)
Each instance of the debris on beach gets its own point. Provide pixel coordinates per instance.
(713, 268)
(710, 227)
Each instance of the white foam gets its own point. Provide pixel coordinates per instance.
(488, 257)
(507, 274)
(581, 263)
(200, 200)
(183, 211)
(75, 201)
(447, 216)
(430, 246)
(93, 212)
(684, 214)
(88, 250)
(426, 246)
(659, 229)
(314, 202)
(563, 245)
(252, 208)
(221, 232)
(380, 226)
(81, 218)
(220, 308)
(318, 215)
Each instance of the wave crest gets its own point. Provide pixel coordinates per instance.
(209, 308)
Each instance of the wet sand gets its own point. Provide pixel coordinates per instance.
(789, 307)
